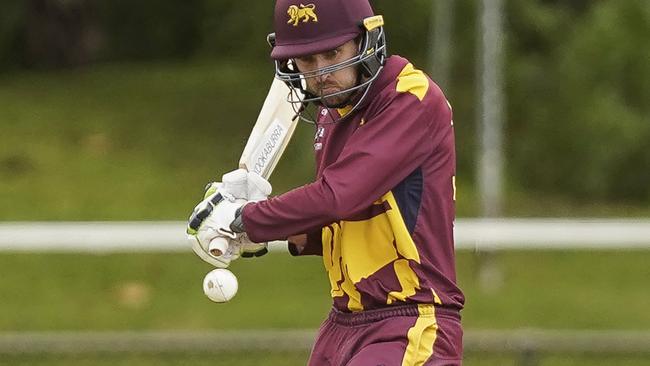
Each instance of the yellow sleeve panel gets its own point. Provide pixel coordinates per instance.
(413, 81)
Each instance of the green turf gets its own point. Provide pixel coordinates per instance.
(158, 291)
(556, 290)
(566, 290)
(561, 290)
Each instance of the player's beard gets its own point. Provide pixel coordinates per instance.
(337, 101)
(322, 89)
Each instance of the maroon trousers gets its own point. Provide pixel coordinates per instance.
(397, 336)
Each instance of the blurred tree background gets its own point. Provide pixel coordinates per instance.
(152, 87)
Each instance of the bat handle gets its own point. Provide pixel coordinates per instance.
(218, 246)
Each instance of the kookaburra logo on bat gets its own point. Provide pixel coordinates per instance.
(304, 13)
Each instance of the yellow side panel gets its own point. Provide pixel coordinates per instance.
(339, 278)
(354, 302)
(355, 250)
(331, 258)
(407, 279)
(367, 246)
(405, 244)
(421, 337)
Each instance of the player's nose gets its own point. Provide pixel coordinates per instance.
(322, 63)
(322, 78)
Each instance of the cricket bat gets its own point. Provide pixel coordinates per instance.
(271, 133)
(267, 141)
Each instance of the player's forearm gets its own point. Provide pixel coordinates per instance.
(295, 212)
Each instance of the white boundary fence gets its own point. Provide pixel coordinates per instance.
(479, 234)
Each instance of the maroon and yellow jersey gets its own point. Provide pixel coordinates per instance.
(381, 211)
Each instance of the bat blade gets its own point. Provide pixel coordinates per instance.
(270, 136)
(271, 133)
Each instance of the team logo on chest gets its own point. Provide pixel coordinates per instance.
(318, 138)
(304, 13)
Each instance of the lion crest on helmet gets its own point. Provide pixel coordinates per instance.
(304, 13)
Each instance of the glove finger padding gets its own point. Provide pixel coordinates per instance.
(254, 250)
(217, 223)
(236, 183)
(262, 250)
(248, 249)
(212, 188)
(258, 188)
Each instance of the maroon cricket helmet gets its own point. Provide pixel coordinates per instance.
(313, 26)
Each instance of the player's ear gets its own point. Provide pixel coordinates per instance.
(290, 67)
(358, 40)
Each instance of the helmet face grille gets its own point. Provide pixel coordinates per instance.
(368, 61)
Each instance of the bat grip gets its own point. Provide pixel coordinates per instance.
(218, 246)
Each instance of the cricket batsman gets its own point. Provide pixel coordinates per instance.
(381, 209)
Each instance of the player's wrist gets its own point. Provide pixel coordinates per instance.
(237, 225)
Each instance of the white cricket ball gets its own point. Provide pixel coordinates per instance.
(220, 285)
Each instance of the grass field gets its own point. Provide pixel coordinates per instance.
(556, 290)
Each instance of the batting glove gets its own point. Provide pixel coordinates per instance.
(209, 227)
(216, 221)
(257, 189)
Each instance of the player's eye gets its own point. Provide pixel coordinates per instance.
(306, 59)
(332, 54)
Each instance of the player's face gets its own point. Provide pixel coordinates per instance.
(331, 82)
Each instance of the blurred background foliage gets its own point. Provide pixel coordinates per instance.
(123, 108)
